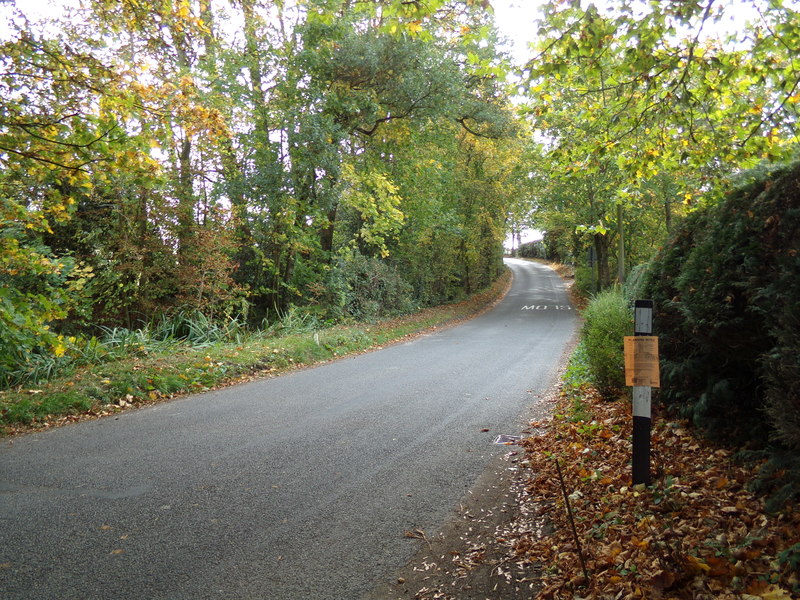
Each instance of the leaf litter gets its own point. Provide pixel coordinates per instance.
(696, 532)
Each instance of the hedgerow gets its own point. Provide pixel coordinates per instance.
(727, 294)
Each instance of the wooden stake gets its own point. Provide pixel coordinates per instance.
(572, 522)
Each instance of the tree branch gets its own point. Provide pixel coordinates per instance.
(462, 122)
(41, 159)
(68, 144)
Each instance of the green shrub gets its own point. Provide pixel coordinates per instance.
(634, 283)
(585, 280)
(608, 319)
(366, 289)
(727, 298)
(577, 373)
(727, 294)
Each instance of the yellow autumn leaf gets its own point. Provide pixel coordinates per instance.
(696, 566)
(774, 592)
(183, 10)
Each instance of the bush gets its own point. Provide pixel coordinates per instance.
(366, 289)
(634, 283)
(586, 283)
(535, 249)
(727, 294)
(608, 319)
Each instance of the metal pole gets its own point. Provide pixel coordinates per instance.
(643, 325)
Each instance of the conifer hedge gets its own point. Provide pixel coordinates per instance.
(727, 295)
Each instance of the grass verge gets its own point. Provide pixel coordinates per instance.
(106, 388)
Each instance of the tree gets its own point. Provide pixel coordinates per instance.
(51, 140)
(152, 163)
(646, 92)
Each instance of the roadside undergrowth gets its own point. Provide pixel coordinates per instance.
(697, 532)
(147, 376)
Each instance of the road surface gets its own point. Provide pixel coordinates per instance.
(296, 487)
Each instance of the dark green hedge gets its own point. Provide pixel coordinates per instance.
(727, 294)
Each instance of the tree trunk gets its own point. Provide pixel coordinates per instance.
(621, 241)
(601, 245)
(253, 59)
(326, 232)
(185, 201)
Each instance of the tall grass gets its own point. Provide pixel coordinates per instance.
(181, 329)
(295, 320)
(198, 330)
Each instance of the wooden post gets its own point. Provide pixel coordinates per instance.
(643, 325)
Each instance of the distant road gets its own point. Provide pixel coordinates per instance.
(298, 487)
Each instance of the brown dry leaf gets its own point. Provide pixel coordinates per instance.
(663, 580)
(649, 528)
(721, 482)
(719, 567)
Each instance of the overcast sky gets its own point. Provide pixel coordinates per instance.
(515, 20)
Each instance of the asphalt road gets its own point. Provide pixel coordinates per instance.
(296, 487)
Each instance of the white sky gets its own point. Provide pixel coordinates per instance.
(514, 18)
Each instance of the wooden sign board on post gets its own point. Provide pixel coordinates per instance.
(641, 361)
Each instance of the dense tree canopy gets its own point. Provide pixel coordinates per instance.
(644, 107)
(242, 157)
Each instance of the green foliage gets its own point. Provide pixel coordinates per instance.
(791, 559)
(645, 104)
(608, 319)
(634, 284)
(366, 289)
(535, 249)
(197, 329)
(778, 478)
(295, 321)
(726, 294)
(375, 160)
(586, 283)
(29, 410)
(143, 369)
(578, 372)
(117, 342)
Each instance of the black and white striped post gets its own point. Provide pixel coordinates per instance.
(643, 325)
